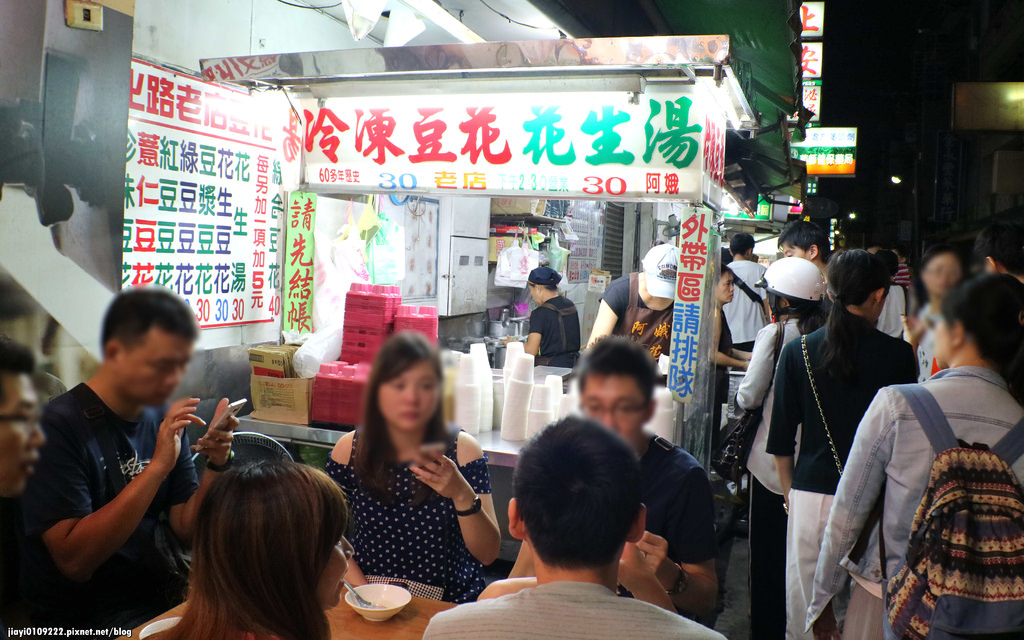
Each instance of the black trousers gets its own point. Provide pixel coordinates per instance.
(767, 572)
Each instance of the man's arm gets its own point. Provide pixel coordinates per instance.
(701, 580)
(604, 323)
(79, 546)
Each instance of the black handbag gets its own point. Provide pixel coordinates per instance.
(730, 460)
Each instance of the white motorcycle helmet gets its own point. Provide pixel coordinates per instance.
(795, 279)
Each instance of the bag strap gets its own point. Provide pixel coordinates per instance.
(561, 321)
(1011, 446)
(96, 414)
(756, 299)
(817, 401)
(929, 414)
(780, 337)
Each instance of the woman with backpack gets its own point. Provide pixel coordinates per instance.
(823, 386)
(795, 291)
(980, 334)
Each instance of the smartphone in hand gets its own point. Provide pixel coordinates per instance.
(232, 410)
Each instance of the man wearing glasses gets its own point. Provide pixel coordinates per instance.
(616, 379)
(20, 436)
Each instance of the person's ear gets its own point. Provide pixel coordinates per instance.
(957, 335)
(639, 526)
(993, 266)
(813, 253)
(516, 526)
(112, 349)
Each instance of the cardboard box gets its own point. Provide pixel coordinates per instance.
(273, 361)
(529, 206)
(281, 399)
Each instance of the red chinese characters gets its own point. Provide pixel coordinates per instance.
(481, 136)
(326, 126)
(428, 131)
(376, 130)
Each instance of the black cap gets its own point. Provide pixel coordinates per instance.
(545, 276)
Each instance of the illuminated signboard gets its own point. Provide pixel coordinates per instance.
(669, 145)
(810, 59)
(829, 151)
(812, 20)
(812, 98)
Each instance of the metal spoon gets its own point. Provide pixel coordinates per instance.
(363, 602)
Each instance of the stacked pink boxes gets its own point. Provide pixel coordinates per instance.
(369, 320)
(338, 393)
(420, 319)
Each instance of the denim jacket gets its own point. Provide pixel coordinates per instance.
(891, 448)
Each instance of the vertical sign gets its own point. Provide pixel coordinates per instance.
(687, 316)
(812, 20)
(810, 59)
(298, 262)
(948, 160)
(202, 196)
(812, 98)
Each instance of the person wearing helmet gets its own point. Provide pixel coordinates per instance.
(639, 305)
(795, 289)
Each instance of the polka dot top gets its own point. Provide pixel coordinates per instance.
(418, 543)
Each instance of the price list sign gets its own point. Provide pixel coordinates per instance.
(203, 203)
(687, 312)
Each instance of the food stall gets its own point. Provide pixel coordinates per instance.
(442, 139)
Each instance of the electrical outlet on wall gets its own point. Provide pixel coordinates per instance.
(79, 14)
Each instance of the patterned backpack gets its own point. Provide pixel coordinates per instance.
(963, 575)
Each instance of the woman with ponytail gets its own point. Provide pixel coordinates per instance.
(980, 334)
(823, 386)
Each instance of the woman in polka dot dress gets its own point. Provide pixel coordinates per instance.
(419, 491)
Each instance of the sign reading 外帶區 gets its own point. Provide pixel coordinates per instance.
(687, 317)
(669, 144)
(203, 199)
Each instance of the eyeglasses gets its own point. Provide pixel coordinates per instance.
(346, 548)
(618, 412)
(26, 422)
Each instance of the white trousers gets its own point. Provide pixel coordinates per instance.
(805, 532)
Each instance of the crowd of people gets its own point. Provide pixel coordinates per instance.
(617, 526)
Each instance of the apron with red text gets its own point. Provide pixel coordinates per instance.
(649, 327)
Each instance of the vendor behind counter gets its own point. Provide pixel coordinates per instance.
(554, 325)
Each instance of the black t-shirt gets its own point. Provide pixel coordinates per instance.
(71, 482)
(616, 296)
(880, 361)
(680, 506)
(546, 323)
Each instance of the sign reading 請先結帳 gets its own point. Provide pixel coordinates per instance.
(203, 201)
(666, 144)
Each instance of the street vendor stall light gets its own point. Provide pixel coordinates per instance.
(436, 14)
(896, 179)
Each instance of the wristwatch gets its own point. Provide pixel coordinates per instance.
(681, 583)
(477, 505)
(221, 467)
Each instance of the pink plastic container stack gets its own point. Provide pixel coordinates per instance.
(420, 319)
(369, 319)
(338, 393)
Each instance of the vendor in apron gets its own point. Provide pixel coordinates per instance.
(554, 325)
(639, 305)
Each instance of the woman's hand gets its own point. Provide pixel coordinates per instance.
(440, 473)
(825, 626)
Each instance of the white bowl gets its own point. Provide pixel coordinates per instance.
(158, 626)
(393, 599)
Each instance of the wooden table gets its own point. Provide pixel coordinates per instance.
(409, 624)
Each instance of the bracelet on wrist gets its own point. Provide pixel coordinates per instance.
(221, 467)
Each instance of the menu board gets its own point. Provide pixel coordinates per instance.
(203, 199)
(586, 219)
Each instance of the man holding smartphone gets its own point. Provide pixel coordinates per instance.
(115, 494)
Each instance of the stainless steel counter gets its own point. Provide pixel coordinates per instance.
(501, 453)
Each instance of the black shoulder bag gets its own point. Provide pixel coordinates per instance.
(167, 556)
(730, 461)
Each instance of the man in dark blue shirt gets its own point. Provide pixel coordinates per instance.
(20, 437)
(116, 494)
(616, 379)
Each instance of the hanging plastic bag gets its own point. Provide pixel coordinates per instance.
(387, 253)
(514, 265)
(557, 255)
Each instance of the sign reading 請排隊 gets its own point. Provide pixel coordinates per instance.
(828, 151)
(663, 145)
(203, 201)
(687, 317)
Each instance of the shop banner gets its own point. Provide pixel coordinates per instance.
(298, 262)
(687, 314)
(829, 151)
(662, 145)
(202, 196)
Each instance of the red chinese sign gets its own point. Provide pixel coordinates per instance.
(687, 316)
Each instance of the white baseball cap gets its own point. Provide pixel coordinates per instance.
(661, 264)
